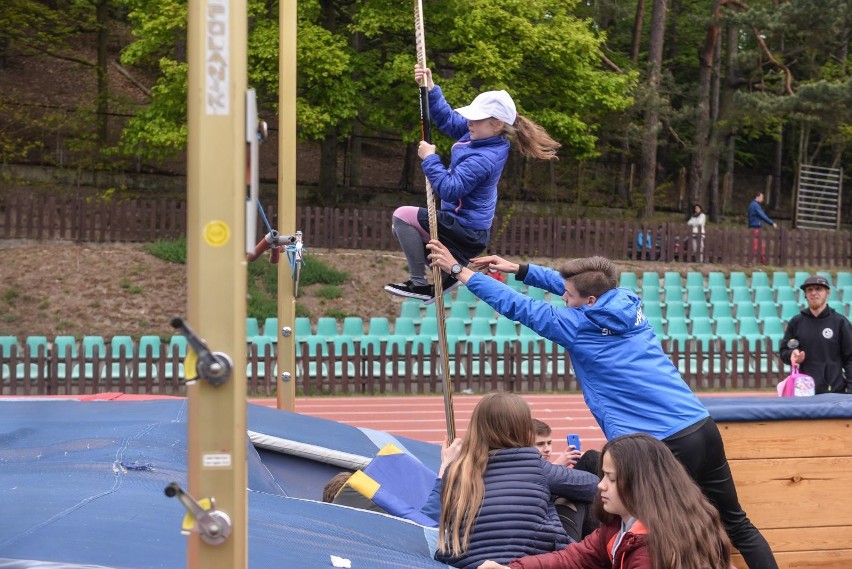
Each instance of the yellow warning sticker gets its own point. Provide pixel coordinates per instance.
(216, 233)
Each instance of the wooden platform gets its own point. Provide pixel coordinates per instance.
(794, 480)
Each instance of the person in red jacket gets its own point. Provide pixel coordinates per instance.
(653, 517)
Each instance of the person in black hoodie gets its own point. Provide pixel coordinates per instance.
(819, 341)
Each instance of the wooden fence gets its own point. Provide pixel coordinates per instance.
(141, 220)
(516, 367)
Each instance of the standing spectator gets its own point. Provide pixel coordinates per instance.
(492, 498)
(819, 341)
(467, 187)
(653, 516)
(696, 221)
(629, 383)
(756, 218)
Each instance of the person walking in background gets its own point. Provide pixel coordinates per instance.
(696, 221)
(756, 218)
(492, 497)
(819, 341)
(629, 383)
(468, 186)
(653, 517)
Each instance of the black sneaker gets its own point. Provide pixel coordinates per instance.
(450, 283)
(409, 290)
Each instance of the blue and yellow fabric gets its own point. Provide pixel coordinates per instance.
(397, 482)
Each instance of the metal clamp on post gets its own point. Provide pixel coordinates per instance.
(213, 525)
(214, 367)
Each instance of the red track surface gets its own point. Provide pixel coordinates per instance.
(422, 417)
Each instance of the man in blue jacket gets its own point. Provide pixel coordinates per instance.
(629, 383)
(756, 218)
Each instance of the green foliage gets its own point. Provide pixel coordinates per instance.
(314, 271)
(330, 292)
(171, 251)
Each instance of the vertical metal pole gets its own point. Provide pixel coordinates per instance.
(216, 267)
(287, 198)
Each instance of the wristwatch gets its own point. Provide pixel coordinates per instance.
(455, 269)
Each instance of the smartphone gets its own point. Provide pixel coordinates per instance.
(575, 441)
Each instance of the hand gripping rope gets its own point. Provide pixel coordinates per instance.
(274, 242)
(425, 126)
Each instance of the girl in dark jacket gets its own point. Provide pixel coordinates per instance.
(653, 517)
(467, 187)
(494, 489)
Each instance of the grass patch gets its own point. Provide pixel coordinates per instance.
(262, 285)
(10, 295)
(330, 292)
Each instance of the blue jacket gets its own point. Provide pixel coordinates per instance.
(756, 216)
(629, 383)
(468, 187)
(517, 516)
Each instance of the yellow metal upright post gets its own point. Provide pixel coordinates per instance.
(286, 199)
(216, 266)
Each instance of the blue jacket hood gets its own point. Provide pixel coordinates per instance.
(617, 310)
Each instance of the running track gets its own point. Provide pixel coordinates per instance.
(422, 417)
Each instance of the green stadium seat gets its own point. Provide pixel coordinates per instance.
(702, 331)
(8, 347)
(480, 333)
(759, 279)
(411, 309)
(252, 327)
(149, 346)
(650, 279)
(484, 310)
(698, 310)
(696, 279)
(327, 327)
(673, 294)
(695, 293)
(659, 327)
(261, 349)
(677, 331)
(726, 331)
(763, 294)
(780, 279)
(270, 328)
(464, 296)
(65, 354)
(844, 279)
(738, 279)
(512, 281)
(353, 326)
(650, 292)
(653, 310)
(93, 347)
(628, 280)
(741, 294)
(749, 331)
(745, 309)
(799, 278)
(34, 346)
(460, 310)
(766, 309)
(302, 327)
(176, 348)
(672, 278)
(784, 294)
(722, 309)
(537, 293)
(121, 347)
(718, 293)
(716, 279)
(675, 310)
(773, 329)
(789, 308)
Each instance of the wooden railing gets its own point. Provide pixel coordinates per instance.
(514, 368)
(92, 219)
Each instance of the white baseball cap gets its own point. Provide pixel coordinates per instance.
(497, 104)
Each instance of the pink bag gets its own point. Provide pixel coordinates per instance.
(796, 385)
